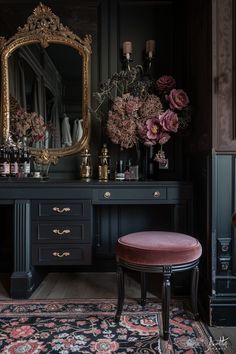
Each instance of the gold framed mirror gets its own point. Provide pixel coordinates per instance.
(45, 87)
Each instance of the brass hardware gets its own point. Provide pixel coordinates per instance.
(44, 27)
(85, 165)
(60, 255)
(58, 232)
(63, 210)
(103, 168)
(107, 195)
(156, 194)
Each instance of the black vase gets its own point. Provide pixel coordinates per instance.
(147, 162)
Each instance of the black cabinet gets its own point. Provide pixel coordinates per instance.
(73, 223)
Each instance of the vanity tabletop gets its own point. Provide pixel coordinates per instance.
(98, 192)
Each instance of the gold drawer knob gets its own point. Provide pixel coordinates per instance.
(107, 195)
(156, 194)
(60, 255)
(63, 210)
(62, 232)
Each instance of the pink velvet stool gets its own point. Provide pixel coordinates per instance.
(158, 252)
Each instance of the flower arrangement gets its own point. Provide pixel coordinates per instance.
(143, 110)
(24, 124)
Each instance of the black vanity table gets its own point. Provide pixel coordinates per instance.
(75, 223)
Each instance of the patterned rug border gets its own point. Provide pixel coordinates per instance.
(139, 310)
(67, 309)
(73, 308)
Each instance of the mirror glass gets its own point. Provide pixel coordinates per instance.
(46, 94)
(45, 87)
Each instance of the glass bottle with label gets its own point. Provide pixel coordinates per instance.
(14, 167)
(20, 163)
(27, 162)
(119, 173)
(127, 170)
(7, 161)
(2, 163)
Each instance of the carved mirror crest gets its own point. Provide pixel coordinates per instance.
(45, 87)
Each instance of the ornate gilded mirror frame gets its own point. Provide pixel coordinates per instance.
(44, 27)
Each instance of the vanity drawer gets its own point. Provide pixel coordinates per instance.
(133, 194)
(61, 231)
(61, 209)
(62, 255)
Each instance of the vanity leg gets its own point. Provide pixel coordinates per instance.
(21, 278)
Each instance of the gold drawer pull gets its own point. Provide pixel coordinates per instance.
(63, 210)
(62, 232)
(107, 195)
(60, 255)
(156, 194)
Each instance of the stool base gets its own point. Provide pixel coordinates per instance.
(166, 287)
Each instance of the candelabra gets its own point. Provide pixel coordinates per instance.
(149, 54)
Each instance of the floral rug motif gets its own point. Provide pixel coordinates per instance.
(81, 327)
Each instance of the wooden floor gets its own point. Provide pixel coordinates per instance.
(98, 286)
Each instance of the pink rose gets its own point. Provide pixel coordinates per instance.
(153, 128)
(178, 99)
(164, 137)
(169, 121)
(165, 83)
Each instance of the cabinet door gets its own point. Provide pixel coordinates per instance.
(114, 221)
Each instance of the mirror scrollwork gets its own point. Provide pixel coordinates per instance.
(45, 87)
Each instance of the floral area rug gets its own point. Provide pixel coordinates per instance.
(78, 326)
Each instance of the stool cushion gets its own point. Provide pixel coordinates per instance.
(158, 248)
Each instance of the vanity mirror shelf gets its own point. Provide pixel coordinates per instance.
(45, 87)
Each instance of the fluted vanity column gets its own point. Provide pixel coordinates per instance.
(22, 276)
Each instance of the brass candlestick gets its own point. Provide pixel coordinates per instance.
(86, 165)
(103, 168)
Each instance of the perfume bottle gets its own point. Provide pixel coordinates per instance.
(120, 172)
(85, 165)
(103, 168)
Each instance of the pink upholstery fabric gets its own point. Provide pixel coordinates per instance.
(158, 248)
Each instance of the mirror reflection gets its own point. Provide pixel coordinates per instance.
(46, 94)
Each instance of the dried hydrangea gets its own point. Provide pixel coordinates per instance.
(143, 110)
(26, 124)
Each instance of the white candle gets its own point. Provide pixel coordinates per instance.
(150, 47)
(127, 48)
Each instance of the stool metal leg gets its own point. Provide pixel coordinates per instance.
(143, 289)
(194, 290)
(166, 289)
(121, 292)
